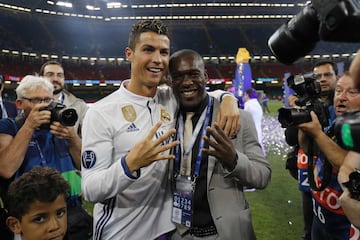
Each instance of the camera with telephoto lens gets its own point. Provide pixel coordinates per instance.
(308, 91)
(59, 113)
(347, 130)
(330, 20)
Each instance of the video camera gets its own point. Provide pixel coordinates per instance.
(59, 113)
(330, 20)
(309, 91)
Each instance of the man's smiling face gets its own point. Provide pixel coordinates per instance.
(188, 80)
(150, 59)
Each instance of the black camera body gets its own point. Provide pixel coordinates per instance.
(354, 185)
(59, 113)
(309, 92)
(327, 20)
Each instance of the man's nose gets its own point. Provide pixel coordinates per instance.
(344, 94)
(187, 78)
(157, 57)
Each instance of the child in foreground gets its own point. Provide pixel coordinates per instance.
(37, 205)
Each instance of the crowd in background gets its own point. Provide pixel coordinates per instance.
(129, 180)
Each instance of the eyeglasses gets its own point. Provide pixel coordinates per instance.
(352, 92)
(38, 100)
(326, 75)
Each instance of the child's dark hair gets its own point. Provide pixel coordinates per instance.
(41, 184)
(154, 25)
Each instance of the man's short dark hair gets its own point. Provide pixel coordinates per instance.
(42, 184)
(323, 62)
(51, 62)
(154, 25)
(185, 53)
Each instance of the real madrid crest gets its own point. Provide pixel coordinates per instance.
(129, 113)
(165, 116)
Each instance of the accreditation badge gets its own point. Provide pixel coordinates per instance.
(182, 201)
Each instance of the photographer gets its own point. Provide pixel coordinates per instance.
(54, 72)
(33, 139)
(351, 163)
(325, 72)
(333, 20)
(329, 219)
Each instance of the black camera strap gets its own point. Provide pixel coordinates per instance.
(327, 169)
(19, 121)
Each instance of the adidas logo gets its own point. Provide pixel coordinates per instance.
(132, 128)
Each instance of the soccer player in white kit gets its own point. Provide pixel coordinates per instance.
(121, 170)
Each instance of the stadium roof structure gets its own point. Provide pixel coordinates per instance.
(94, 29)
(166, 7)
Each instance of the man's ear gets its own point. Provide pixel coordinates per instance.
(128, 54)
(14, 224)
(18, 103)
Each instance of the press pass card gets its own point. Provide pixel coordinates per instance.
(182, 201)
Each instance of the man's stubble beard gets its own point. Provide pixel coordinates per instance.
(57, 91)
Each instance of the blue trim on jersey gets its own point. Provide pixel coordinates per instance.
(108, 210)
(127, 170)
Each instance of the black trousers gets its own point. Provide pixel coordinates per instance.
(307, 214)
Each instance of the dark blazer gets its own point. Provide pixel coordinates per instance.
(10, 109)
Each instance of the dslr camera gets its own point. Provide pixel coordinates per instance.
(308, 91)
(354, 184)
(330, 20)
(59, 113)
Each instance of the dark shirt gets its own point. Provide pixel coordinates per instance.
(201, 210)
(10, 109)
